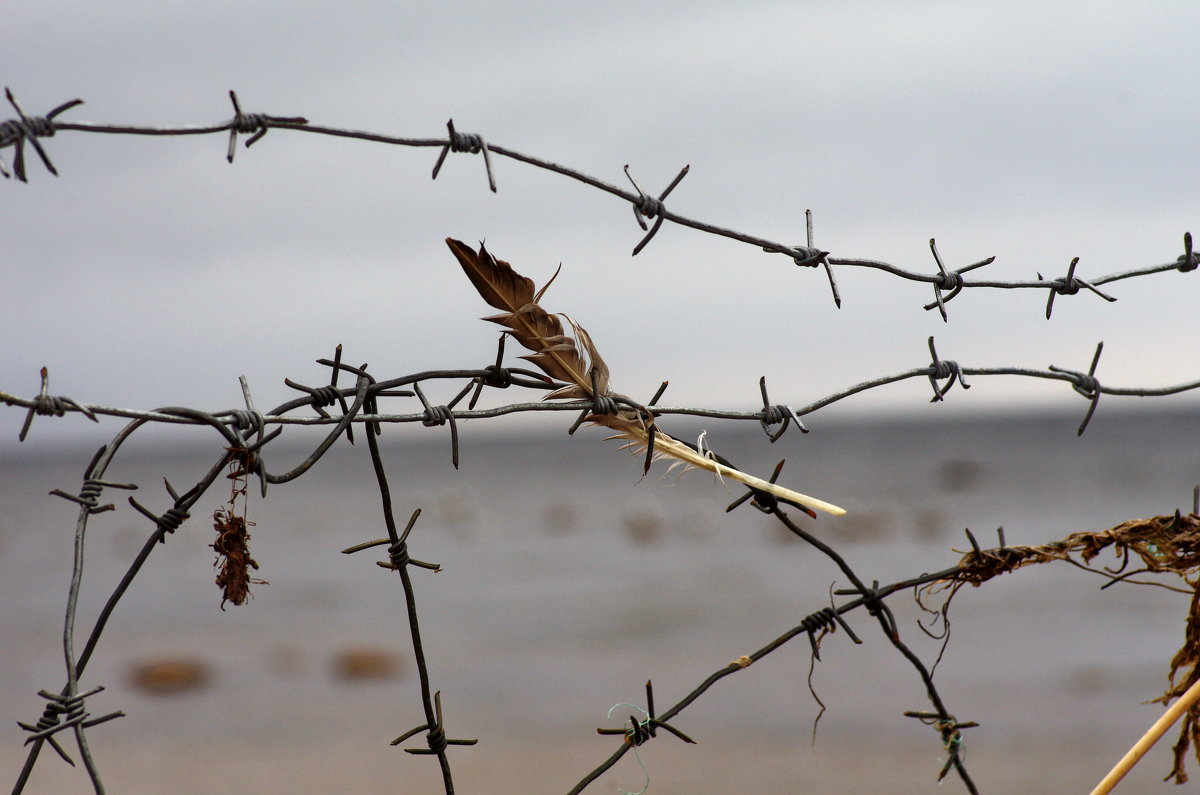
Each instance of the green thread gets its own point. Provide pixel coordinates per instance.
(636, 755)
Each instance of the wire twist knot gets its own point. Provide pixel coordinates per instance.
(436, 739)
(951, 280)
(497, 376)
(13, 131)
(1066, 285)
(825, 618)
(944, 369)
(640, 731)
(948, 728)
(246, 420)
(471, 143)
(398, 554)
(604, 404)
(441, 415)
(325, 395)
(52, 716)
(772, 415)
(1086, 385)
(871, 599)
(46, 405)
(775, 413)
(248, 123)
(253, 124)
(436, 736)
(89, 496)
(807, 257)
(1187, 259)
(1070, 285)
(170, 521)
(63, 712)
(437, 415)
(89, 493)
(647, 206)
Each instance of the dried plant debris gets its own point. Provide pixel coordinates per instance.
(574, 360)
(233, 557)
(233, 561)
(1164, 545)
(1187, 660)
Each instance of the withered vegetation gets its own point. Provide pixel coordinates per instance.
(233, 561)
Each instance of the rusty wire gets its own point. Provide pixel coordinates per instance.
(245, 437)
(247, 432)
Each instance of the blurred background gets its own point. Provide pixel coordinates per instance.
(569, 580)
(152, 273)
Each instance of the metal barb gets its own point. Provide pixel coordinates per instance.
(253, 124)
(466, 142)
(949, 280)
(436, 738)
(1086, 385)
(16, 132)
(773, 415)
(651, 432)
(1070, 285)
(658, 395)
(51, 406)
(1187, 260)
(497, 376)
(64, 712)
(947, 369)
(647, 206)
(639, 732)
(816, 256)
(441, 415)
(168, 523)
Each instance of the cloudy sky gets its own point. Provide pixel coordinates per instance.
(151, 272)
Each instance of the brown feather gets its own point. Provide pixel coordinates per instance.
(554, 352)
(497, 282)
(559, 355)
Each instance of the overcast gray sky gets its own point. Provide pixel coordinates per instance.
(152, 272)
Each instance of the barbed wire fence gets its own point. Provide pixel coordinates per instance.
(1165, 545)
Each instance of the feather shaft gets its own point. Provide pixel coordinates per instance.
(638, 437)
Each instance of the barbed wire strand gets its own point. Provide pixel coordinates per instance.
(939, 370)
(237, 425)
(233, 425)
(164, 525)
(28, 129)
